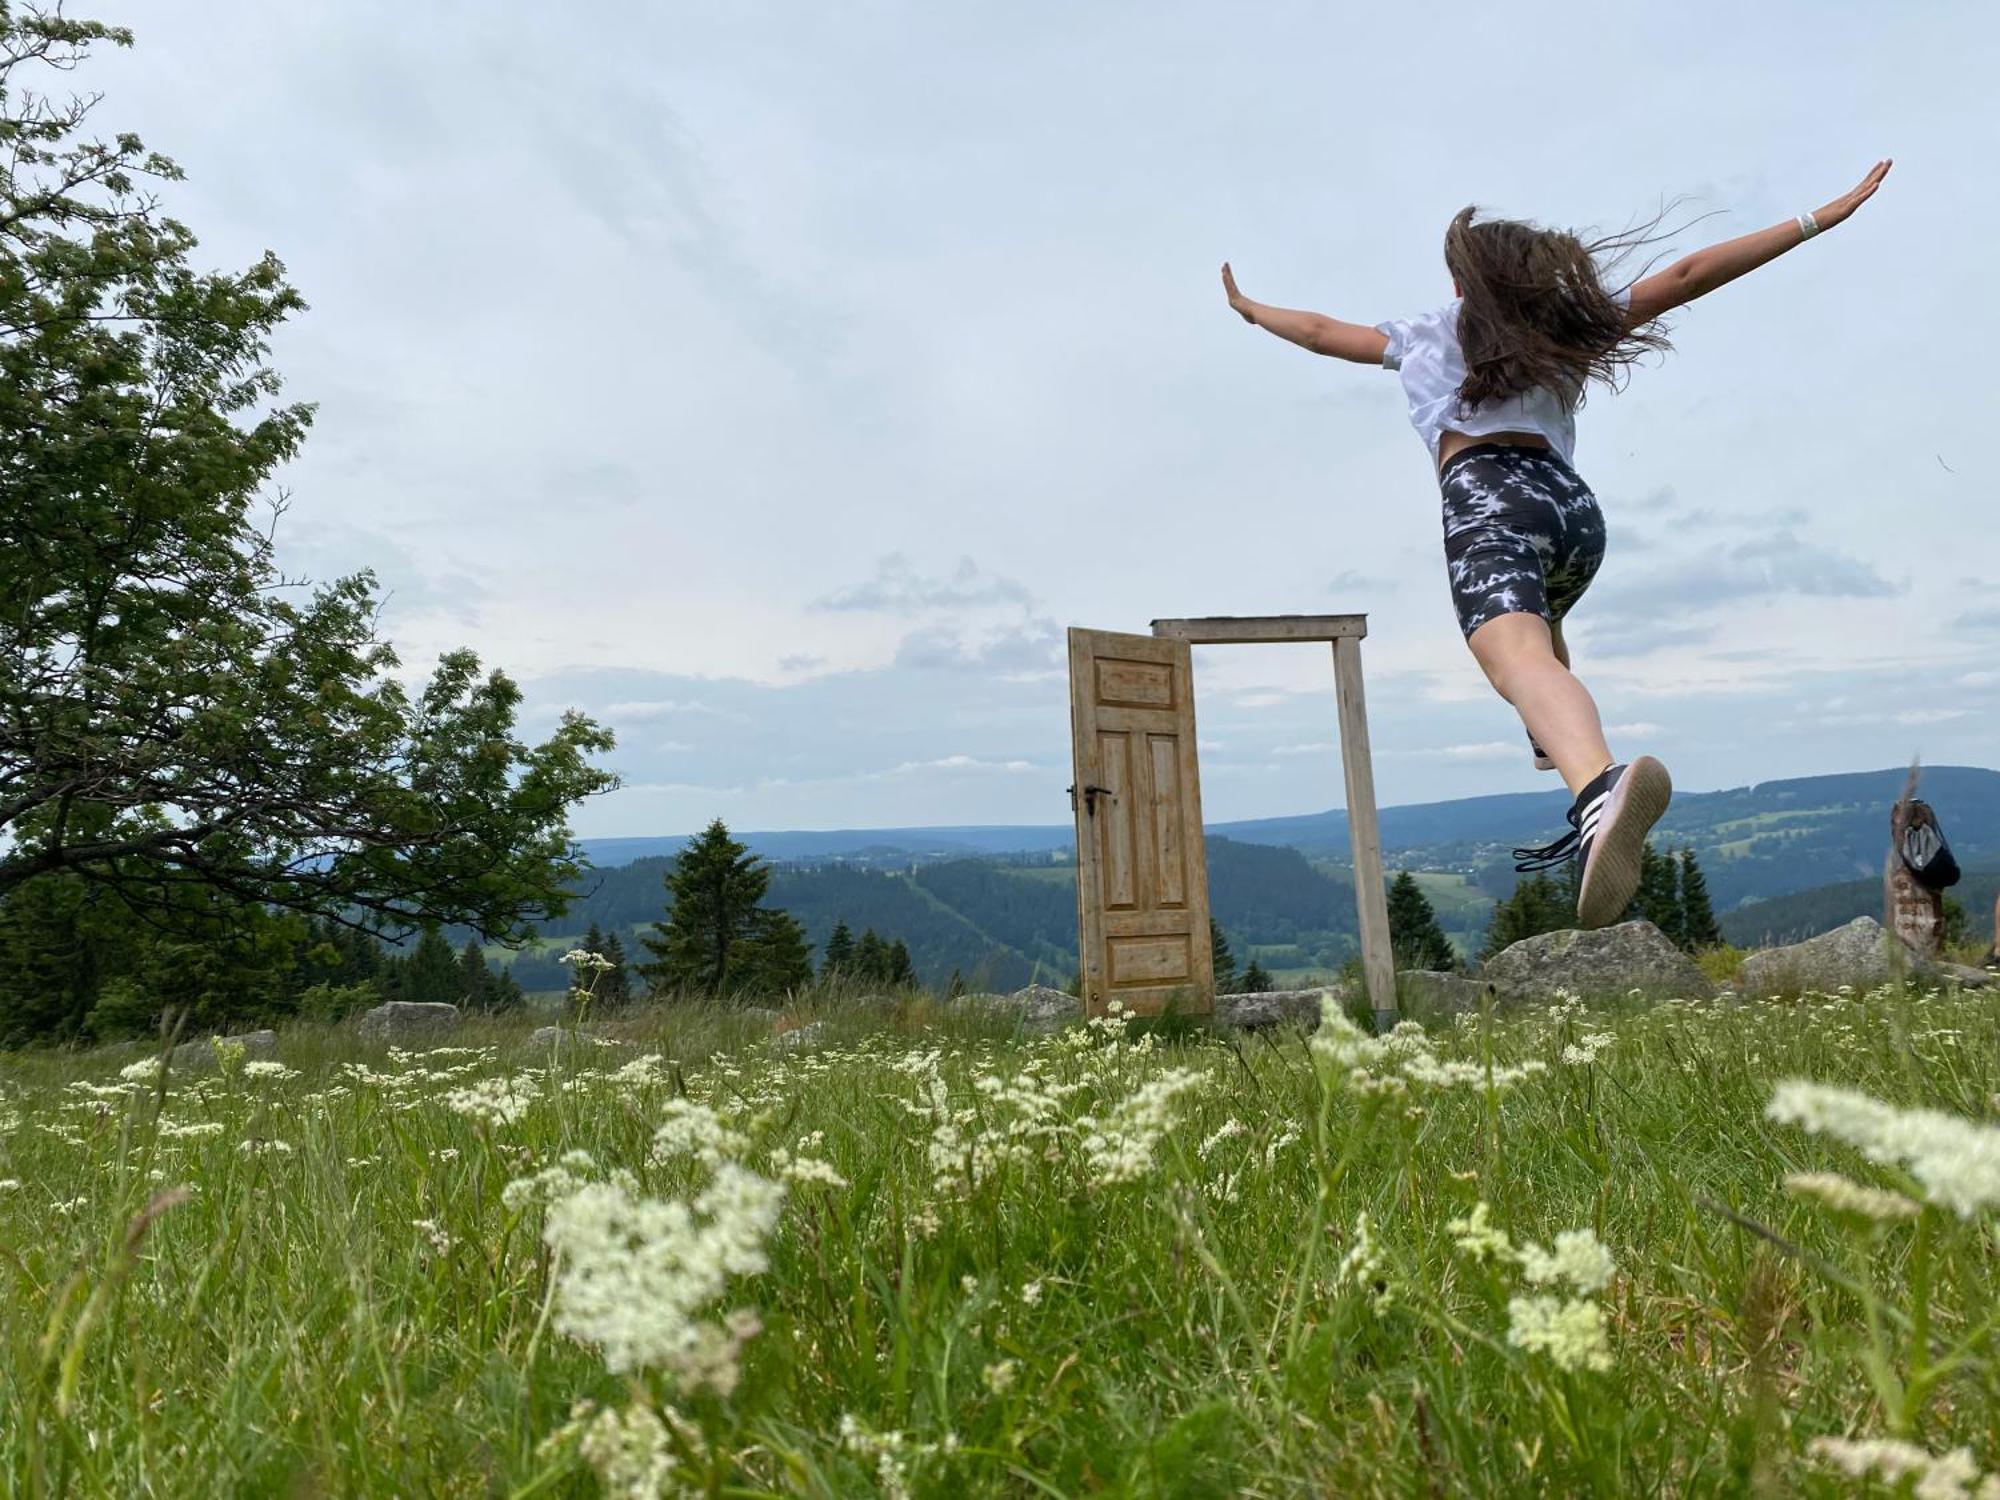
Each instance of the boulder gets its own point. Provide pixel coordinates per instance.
(760, 1015)
(202, 1054)
(407, 1020)
(1440, 990)
(1966, 976)
(800, 1038)
(1260, 1012)
(1608, 961)
(1857, 954)
(1035, 1007)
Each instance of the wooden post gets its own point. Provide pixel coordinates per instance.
(1378, 959)
(1916, 913)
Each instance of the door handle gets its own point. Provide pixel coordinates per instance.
(1090, 796)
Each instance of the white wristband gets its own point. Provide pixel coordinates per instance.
(1808, 225)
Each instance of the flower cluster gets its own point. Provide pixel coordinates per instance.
(1957, 1161)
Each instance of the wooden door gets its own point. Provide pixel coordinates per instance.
(1141, 869)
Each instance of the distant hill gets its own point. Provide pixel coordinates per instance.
(1804, 914)
(1755, 842)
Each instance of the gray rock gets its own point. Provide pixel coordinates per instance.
(1441, 990)
(407, 1020)
(1271, 1008)
(1608, 961)
(800, 1038)
(761, 1015)
(1967, 976)
(202, 1054)
(1035, 1008)
(1857, 954)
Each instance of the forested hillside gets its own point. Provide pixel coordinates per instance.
(1804, 914)
(997, 923)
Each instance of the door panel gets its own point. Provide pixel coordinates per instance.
(1142, 877)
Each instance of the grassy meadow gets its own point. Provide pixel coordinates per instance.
(911, 1253)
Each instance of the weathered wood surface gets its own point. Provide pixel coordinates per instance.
(1378, 962)
(1224, 630)
(1142, 866)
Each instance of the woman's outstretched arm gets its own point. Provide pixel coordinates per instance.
(1310, 330)
(1695, 275)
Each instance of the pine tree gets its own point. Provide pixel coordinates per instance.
(507, 993)
(902, 971)
(593, 941)
(1223, 960)
(1414, 934)
(871, 958)
(777, 959)
(1658, 898)
(475, 980)
(956, 987)
(1538, 905)
(839, 956)
(1698, 925)
(431, 974)
(614, 985)
(1254, 981)
(715, 886)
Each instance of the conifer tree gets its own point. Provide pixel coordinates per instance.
(1222, 959)
(1254, 981)
(614, 985)
(1658, 898)
(1699, 928)
(507, 994)
(715, 886)
(839, 955)
(901, 971)
(431, 974)
(1419, 942)
(956, 987)
(475, 980)
(871, 958)
(777, 959)
(1538, 905)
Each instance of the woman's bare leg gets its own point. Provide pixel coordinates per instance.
(1525, 662)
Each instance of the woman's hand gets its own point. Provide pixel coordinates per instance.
(1853, 198)
(1236, 299)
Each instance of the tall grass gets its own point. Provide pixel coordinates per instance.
(1098, 1262)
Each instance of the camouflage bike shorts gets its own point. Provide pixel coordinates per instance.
(1522, 533)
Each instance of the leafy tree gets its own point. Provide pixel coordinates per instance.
(1419, 942)
(1538, 905)
(1699, 929)
(1223, 961)
(839, 955)
(174, 715)
(706, 943)
(1254, 981)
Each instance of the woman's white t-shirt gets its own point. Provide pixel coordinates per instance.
(1425, 350)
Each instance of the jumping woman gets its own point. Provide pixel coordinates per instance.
(1494, 379)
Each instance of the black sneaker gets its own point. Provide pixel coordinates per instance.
(1608, 823)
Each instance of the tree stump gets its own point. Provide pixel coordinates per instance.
(1915, 912)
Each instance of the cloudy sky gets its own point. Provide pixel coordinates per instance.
(776, 382)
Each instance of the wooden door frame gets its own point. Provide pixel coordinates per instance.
(1345, 633)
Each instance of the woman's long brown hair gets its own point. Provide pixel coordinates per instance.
(1535, 312)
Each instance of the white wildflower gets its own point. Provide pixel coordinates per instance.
(639, 1072)
(69, 1205)
(173, 1130)
(1119, 1145)
(1844, 1195)
(1229, 1129)
(1287, 1137)
(584, 961)
(999, 1376)
(260, 1144)
(1479, 1238)
(1956, 1160)
(1031, 1291)
(145, 1070)
(1362, 1264)
(968, 1284)
(693, 1129)
(433, 1231)
(1948, 1476)
(632, 1452)
(1570, 1332)
(265, 1068)
(492, 1101)
(804, 1169)
(1579, 1258)
(10, 1184)
(1586, 1047)
(636, 1272)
